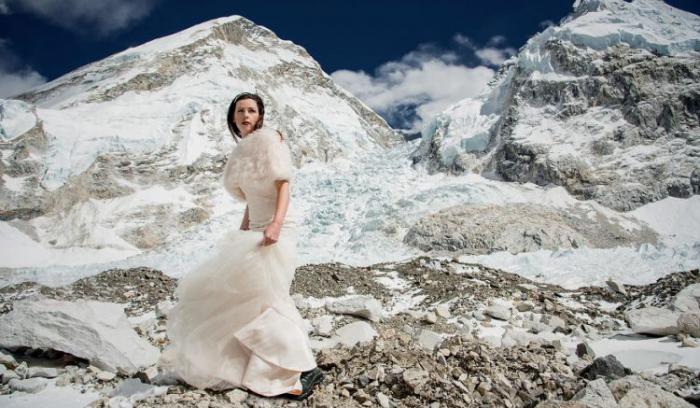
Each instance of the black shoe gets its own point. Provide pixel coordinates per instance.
(308, 380)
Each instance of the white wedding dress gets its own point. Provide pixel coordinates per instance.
(235, 324)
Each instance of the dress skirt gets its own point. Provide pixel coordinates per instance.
(235, 324)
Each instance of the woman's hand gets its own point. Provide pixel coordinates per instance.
(271, 233)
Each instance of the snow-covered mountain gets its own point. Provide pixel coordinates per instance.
(125, 153)
(606, 104)
(88, 187)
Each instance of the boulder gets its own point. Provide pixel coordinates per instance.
(607, 367)
(96, 331)
(689, 323)
(428, 339)
(363, 306)
(44, 372)
(634, 391)
(323, 325)
(499, 309)
(356, 332)
(596, 395)
(653, 320)
(688, 299)
(30, 385)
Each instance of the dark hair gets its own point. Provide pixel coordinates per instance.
(232, 108)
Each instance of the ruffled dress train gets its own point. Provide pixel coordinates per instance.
(235, 324)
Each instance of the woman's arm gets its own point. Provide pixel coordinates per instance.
(245, 222)
(272, 231)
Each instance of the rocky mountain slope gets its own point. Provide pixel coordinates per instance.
(125, 153)
(606, 104)
(389, 335)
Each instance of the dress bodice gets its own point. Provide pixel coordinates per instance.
(260, 159)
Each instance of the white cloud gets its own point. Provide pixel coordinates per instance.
(494, 53)
(14, 77)
(494, 56)
(428, 81)
(3, 8)
(103, 16)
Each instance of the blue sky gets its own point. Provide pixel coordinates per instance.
(362, 43)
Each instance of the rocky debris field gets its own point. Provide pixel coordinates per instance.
(425, 332)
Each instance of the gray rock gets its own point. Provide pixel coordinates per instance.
(44, 372)
(383, 400)
(653, 320)
(323, 325)
(596, 395)
(96, 331)
(22, 370)
(616, 286)
(689, 323)
(688, 299)
(535, 327)
(163, 308)
(443, 311)
(9, 375)
(105, 375)
(606, 367)
(30, 385)
(428, 339)
(415, 378)
(499, 309)
(553, 322)
(652, 398)
(130, 387)
(236, 396)
(7, 360)
(430, 317)
(584, 350)
(363, 306)
(356, 332)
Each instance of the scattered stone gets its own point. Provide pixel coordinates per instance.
(499, 309)
(363, 306)
(553, 322)
(430, 317)
(323, 325)
(584, 350)
(9, 375)
(44, 372)
(428, 339)
(653, 320)
(236, 396)
(596, 395)
(688, 299)
(607, 367)
(525, 306)
(356, 332)
(443, 311)
(22, 370)
(415, 378)
(96, 331)
(7, 360)
(163, 308)
(383, 400)
(105, 375)
(148, 375)
(616, 286)
(689, 323)
(30, 385)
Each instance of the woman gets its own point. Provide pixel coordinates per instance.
(235, 324)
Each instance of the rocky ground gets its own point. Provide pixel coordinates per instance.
(427, 332)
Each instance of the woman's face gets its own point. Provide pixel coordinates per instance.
(246, 116)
